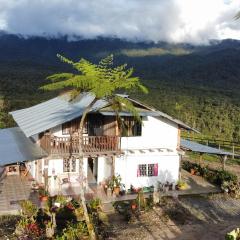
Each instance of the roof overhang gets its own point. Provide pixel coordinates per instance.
(200, 148)
(16, 147)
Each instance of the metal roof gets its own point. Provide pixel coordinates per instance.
(46, 115)
(166, 116)
(197, 147)
(16, 147)
(56, 111)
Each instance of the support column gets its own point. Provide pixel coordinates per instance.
(223, 160)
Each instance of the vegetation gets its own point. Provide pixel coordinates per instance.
(102, 81)
(201, 87)
(224, 179)
(64, 222)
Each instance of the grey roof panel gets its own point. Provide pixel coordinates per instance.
(16, 147)
(54, 112)
(143, 114)
(197, 147)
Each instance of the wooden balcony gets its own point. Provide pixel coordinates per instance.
(92, 145)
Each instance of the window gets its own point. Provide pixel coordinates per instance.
(149, 170)
(142, 170)
(131, 127)
(69, 164)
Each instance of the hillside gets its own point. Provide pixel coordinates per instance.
(198, 84)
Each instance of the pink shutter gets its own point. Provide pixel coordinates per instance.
(138, 172)
(156, 169)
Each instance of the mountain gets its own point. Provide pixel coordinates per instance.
(198, 84)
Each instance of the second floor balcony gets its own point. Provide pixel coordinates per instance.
(92, 145)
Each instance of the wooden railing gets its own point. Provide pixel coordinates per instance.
(70, 145)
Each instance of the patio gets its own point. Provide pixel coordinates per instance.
(197, 186)
(13, 189)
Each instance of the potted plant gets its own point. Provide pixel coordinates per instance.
(134, 205)
(181, 185)
(115, 184)
(43, 197)
(192, 171)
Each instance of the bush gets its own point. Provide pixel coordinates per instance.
(217, 177)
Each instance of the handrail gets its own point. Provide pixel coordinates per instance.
(91, 144)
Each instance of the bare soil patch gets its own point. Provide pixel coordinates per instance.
(186, 218)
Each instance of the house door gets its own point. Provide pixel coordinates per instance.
(92, 170)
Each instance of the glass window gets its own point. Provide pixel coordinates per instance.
(131, 127)
(142, 170)
(149, 170)
(69, 164)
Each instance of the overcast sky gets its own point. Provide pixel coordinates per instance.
(194, 21)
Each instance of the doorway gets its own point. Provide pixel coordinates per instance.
(92, 170)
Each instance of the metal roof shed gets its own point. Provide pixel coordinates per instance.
(16, 147)
(200, 148)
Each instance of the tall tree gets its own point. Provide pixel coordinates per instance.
(102, 81)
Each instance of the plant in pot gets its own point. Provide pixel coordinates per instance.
(134, 205)
(115, 184)
(43, 195)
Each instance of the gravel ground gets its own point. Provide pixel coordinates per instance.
(187, 218)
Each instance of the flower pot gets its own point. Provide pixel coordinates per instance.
(117, 191)
(134, 206)
(43, 198)
(192, 171)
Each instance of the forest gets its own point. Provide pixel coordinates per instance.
(196, 84)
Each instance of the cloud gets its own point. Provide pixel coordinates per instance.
(194, 21)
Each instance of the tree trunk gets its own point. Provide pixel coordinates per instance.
(81, 155)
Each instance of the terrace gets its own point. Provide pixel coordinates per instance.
(92, 145)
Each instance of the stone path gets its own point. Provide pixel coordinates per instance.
(13, 189)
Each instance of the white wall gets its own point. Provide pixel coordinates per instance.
(104, 169)
(127, 166)
(55, 173)
(156, 133)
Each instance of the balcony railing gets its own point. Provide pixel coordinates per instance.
(70, 145)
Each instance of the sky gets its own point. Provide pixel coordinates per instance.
(191, 21)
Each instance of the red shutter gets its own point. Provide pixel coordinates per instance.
(138, 171)
(156, 169)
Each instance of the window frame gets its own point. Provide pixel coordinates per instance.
(72, 165)
(150, 170)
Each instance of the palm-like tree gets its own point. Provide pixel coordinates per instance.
(103, 81)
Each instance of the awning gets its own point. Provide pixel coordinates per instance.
(16, 147)
(197, 147)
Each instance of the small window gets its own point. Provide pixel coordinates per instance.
(149, 170)
(142, 170)
(69, 164)
(131, 127)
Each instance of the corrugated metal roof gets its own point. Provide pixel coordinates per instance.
(16, 147)
(127, 114)
(166, 116)
(49, 114)
(197, 147)
(56, 111)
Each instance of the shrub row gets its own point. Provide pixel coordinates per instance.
(217, 177)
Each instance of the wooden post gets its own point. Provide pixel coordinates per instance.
(233, 151)
(200, 159)
(223, 160)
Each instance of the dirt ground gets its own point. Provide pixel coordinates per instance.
(187, 218)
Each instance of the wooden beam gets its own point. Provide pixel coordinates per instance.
(223, 160)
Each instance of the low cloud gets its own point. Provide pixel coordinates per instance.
(193, 21)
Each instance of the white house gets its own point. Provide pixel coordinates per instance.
(141, 153)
